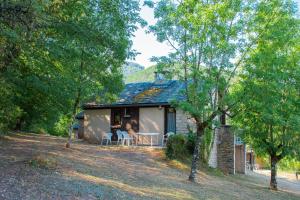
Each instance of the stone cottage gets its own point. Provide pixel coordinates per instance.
(146, 107)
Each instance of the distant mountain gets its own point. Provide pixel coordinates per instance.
(131, 68)
(146, 75)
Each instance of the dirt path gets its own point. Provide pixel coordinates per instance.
(286, 181)
(94, 172)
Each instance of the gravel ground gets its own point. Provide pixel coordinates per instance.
(40, 167)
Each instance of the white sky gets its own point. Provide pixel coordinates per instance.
(146, 43)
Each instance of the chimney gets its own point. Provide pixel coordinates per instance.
(159, 76)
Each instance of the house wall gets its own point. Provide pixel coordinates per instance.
(152, 121)
(96, 123)
(184, 122)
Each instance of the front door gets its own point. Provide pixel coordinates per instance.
(170, 120)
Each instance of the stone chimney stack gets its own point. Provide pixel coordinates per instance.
(159, 76)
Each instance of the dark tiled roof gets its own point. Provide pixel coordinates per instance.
(162, 92)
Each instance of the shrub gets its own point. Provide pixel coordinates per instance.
(61, 127)
(43, 162)
(289, 164)
(181, 146)
(176, 147)
(190, 143)
(38, 128)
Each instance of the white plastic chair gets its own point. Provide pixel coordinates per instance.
(165, 137)
(107, 137)
(126, 137)
(120, 137)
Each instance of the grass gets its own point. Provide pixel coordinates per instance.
(114, 172)
(146, 75)
(43, 162)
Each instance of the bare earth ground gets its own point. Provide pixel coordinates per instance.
(94, 172)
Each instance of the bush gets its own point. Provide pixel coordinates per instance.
(190, 143)
(176, 147)
(289, 164)
(181, 146)
(61, 127)
(43, 162)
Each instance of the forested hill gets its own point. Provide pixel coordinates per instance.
(131, 68)
(141, 76)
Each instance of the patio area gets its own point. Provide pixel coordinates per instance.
(137, 139)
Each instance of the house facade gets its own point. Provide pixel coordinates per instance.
(141, 107)
(145, 108)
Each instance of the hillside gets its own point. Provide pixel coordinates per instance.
(39, 167)
(141, 76)
(130, 68)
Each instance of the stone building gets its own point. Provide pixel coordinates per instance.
(146, 107)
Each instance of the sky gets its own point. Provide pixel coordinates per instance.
(146, 43)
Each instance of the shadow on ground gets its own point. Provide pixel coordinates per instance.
(93, 172)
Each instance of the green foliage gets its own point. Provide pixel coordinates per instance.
(269, 112)
(8, 111)
(208, 39)
(190, 143)
(181, 146)
(206, 145)
(61, 126)
(176, 147)
(57, 55)
(288, 164)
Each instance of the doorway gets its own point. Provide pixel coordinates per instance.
(124, 119)
(170, 118)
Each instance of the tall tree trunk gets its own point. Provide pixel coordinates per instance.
(76, 103)
(200, 133)
(221, 108)
(273, 181)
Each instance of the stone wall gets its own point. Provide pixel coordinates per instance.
(226, 150)
(184, 122)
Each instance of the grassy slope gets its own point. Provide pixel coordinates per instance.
(39, 167)
(141, 76)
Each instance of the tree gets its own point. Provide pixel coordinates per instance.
(97, 37)
(209, 44)
(59, 54)
(269, 112)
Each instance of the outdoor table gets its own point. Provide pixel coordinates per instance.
(149, 134)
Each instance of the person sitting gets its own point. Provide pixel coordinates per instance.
(131, 133)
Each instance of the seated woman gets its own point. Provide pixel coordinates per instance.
(131, 132)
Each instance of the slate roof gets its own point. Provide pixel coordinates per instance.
(146, 93)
